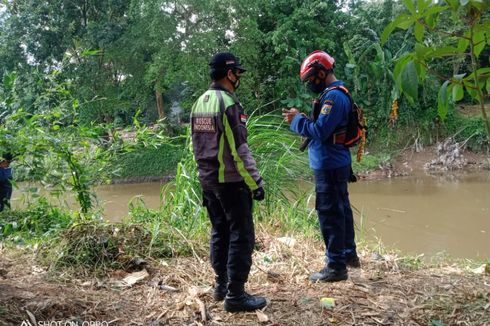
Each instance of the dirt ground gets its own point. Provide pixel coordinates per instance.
(386, 290)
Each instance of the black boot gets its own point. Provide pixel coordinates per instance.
(238, 300)
(220, 287)
(329, 275)
(353, 261)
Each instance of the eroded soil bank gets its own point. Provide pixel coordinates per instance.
(446, 157)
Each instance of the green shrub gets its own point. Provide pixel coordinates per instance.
(39, 220)
(469, 130)
(148, 161)
(369, 162)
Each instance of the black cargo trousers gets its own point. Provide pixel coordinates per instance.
(229, 207)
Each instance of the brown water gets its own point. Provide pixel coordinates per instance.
(418, 214)
(428, 214)
(116, 198)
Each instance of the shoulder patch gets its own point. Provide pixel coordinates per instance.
(327, 107)
(243, 118)
(206, 98)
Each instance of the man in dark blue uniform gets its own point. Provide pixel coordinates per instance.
(5, 181)
(330, 161)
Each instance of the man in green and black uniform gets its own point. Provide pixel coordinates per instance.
(229, 179)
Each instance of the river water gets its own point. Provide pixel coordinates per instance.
(418, 214)
(428, 214)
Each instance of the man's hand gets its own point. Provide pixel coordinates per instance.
(289, 114)
(258, 194)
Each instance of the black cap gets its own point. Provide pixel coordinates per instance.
(225, 61)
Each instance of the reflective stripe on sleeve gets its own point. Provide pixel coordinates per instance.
(240, 165)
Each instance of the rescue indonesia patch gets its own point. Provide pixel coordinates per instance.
(203, 124)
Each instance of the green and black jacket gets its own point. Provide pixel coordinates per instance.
(219, 138)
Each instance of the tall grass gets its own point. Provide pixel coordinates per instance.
(283, 168)
(285, 209)
(181, 216)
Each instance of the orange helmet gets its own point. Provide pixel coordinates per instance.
(314, 61)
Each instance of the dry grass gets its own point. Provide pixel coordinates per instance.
(382, 292)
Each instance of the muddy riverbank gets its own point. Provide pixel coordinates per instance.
(447, 157)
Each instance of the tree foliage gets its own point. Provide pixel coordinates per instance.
(451, 31)
(150, 56)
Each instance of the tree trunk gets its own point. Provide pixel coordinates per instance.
(159, 97)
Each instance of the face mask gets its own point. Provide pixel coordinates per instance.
(316, 88)
(235, 83)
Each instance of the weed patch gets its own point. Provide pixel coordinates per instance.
(37, 221)
(96, 246)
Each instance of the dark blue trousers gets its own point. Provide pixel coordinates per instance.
(335, 215)
(232, 235)
(5, 194)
